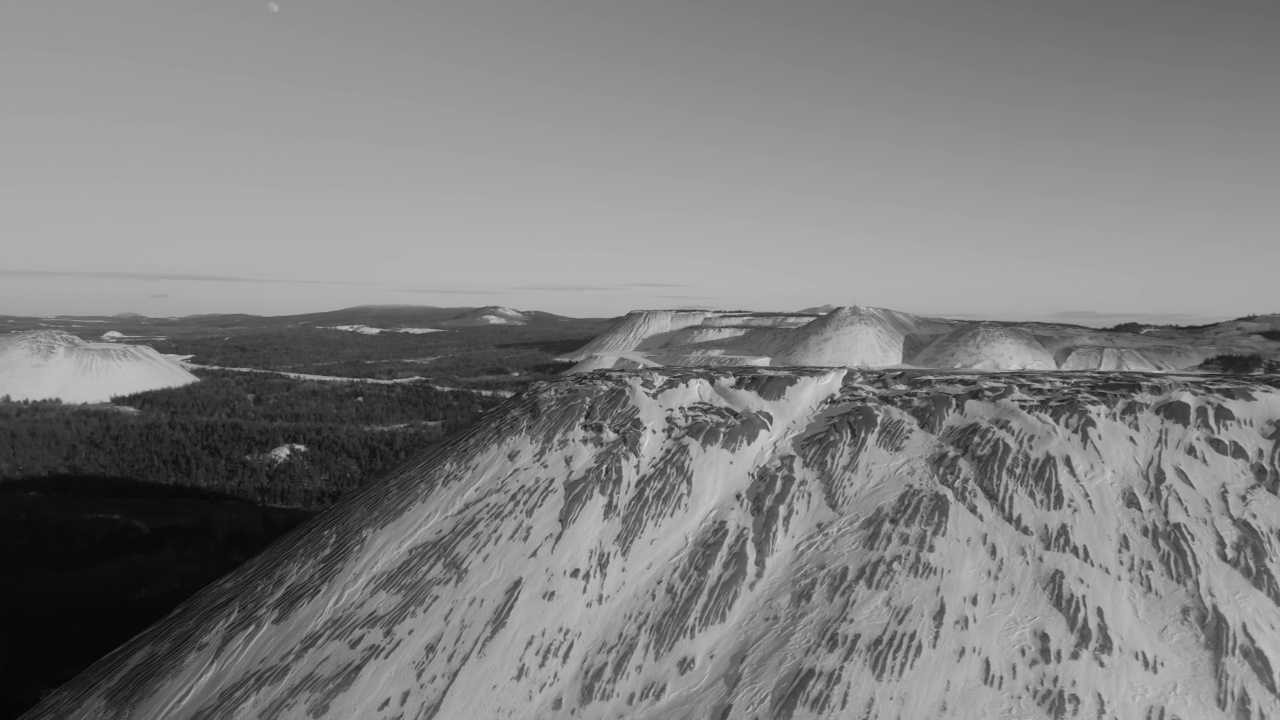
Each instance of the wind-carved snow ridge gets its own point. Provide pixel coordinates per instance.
(759, 543)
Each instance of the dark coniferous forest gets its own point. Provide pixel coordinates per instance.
(217, 435)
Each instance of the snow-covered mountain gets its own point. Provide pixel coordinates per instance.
(492, 315)
(849, 336)
(774, 544)
(877, 337)
(44, 364)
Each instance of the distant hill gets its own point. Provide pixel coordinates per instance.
(48, 364)
(498, 315)
(385, 317)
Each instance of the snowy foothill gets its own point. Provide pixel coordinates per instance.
(51, 364)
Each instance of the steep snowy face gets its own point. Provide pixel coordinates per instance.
(758, 543)
(706, 334)
(44, 364)
(641, 329)
(986, 347)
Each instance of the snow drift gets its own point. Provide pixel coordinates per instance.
(757, 543)
(45, 364)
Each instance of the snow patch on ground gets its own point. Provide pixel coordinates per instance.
(279, 454)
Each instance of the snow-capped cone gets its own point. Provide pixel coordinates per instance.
(46, 364)
(848, 337)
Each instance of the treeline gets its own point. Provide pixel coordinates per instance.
(449, 357)
(1240, 364)
(268, 398)
(226, 456)
(217, 434)
(1137, 327)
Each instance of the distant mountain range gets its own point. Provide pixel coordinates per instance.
(825, 337)
(878, 337)
(387, 317)
(92, 358)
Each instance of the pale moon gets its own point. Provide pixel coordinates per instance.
(273, 7)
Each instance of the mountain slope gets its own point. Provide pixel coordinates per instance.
(986, 347)
(767, 544)
(848, 336)
(44, 364)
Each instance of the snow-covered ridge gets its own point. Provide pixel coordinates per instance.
(868, 337)
(44, 364)
(758, 543)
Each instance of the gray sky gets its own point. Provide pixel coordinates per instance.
(1010, 158)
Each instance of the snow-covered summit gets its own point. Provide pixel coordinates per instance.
(868, 337)
(45, 364)
(815, 543)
